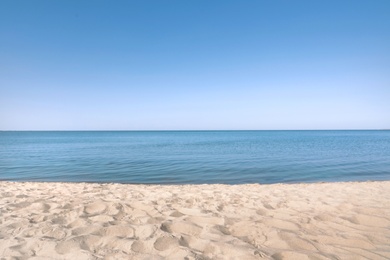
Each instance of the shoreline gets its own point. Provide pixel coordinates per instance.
(69, 220)
(191, 184)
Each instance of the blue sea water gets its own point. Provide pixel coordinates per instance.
(187, 157)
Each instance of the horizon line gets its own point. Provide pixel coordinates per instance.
(199, 130)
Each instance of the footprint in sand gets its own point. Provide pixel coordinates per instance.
(182, 228)
(89, 242)
(67, 246)
(38, 207)
(165, 243)
(59, 221)
(224, 230)
(37, 218)
(176, 214)
(139, 247)
(85, 230)
(77, 223)
(95, 208)
(101, 218)
(118, 231)
(145, 231)
(56, 233)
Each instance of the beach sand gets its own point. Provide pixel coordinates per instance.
(118, 221)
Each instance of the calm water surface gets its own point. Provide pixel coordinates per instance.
(195, 157)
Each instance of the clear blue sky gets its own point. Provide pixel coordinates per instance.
(134, 65)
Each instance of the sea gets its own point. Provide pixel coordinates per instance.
(195, 157)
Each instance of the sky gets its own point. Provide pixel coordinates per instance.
(194, 65)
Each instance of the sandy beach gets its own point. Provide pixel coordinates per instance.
(118, 221)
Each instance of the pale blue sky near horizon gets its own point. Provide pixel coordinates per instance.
(194, 65)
